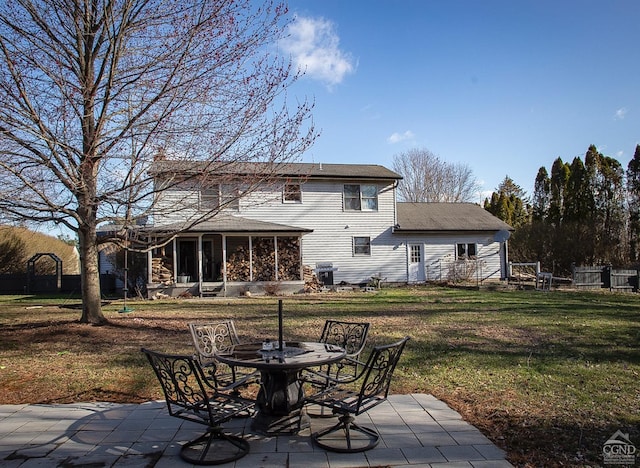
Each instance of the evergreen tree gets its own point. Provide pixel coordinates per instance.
(610, 212)
(582, 214)
(577, 224)
(507, 203)
(633, 203)
(541, 196)
(557, 186)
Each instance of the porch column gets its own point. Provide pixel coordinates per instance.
(174, 246)
(224, 263)
(150, 266)
(200, 269)
(275, 250)
(300, 258)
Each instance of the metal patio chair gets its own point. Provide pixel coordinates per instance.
(189, 396)
(373, 382)
(352, 337)
(209, 338)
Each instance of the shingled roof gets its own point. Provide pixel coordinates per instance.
(439, 217)
(231, 224)
(314, 170)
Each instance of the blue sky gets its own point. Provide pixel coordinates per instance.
(502, 86)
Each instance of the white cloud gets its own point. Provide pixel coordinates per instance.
(314, 46)
(398, 137)
(621, 113)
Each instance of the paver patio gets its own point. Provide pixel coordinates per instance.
(417, 430)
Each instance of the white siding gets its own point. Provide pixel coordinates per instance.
(334, 229)
(176, 206)
(440, 251)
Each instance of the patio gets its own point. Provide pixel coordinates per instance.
(417, 430)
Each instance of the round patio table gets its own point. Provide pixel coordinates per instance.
(281, 396)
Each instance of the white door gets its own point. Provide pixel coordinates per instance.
(416, 263)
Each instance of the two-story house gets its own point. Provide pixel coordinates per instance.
(340, 222)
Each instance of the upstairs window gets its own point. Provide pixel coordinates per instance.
(361, 246)
(230, 196)
(465, 251)
(222, 196)
(209, 198)
(292, 193)
(360, 197)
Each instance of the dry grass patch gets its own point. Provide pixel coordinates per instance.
(548, 377)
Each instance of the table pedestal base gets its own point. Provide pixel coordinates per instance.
(279, 404)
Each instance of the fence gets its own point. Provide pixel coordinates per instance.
(457, 270)
(47, 284)
(596, 277)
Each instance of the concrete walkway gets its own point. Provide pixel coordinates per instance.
(416, 430)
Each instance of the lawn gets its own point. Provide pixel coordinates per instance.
(549, 377)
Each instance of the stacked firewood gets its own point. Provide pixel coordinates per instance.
(161, 270)
(263, 257)
(238, 265)
(311, 283)
(288, 259)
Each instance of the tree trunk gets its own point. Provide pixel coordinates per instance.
(90, 278)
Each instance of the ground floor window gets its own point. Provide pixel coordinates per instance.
(361, 246)
(464, 251)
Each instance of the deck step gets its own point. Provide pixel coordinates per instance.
(210, 291)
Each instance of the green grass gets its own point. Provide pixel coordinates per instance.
(547, 376)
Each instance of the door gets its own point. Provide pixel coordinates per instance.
(208, 271)
(187, 260)
(416, 263)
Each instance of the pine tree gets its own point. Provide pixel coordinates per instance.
(557, 184)
(633, 194)
(541, 196)
(507, 203)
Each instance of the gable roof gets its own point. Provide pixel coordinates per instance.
(311, 170)
(440, 217)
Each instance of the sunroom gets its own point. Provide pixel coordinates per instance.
(227, 257)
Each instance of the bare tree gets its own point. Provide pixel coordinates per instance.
(91, 92)
(428, 178)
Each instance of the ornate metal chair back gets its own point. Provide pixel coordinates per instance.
(375, 381)
(378, 373)
(352, 336)
(210, 338)
(181, 380)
